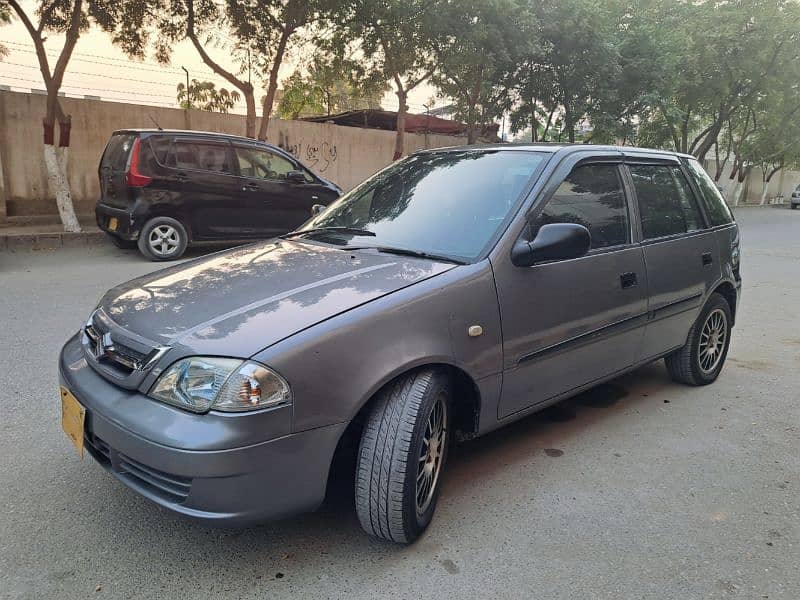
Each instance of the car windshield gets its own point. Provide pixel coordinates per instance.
(449, 203)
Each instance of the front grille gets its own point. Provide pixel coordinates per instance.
(172, 488)
(120, 357)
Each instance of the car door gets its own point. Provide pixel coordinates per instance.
(280, 204)
(680, 252)
(201, 178)
(569, 323)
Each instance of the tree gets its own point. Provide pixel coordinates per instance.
(391, 36)
(269, 26)
(69, 18)
(256, 33)
(730, 52)
(204, 95)
(472, 42)
(575, 65)
(330, 85)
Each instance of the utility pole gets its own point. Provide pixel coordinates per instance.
(188, 97)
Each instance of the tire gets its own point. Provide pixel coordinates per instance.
(163, 238)
(391, 451)
(794, 206)
(120, 243)
(691, 365)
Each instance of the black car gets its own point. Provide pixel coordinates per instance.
(163, 190)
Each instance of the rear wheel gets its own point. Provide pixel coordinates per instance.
(163, 238)
(700, 361)
(402, 455)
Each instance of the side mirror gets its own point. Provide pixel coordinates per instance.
(556, 241)
(317, 208)
(296, 177)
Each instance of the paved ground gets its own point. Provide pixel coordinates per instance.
(642, 489)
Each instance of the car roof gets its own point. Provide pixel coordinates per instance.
(553, 147)
(194, 133)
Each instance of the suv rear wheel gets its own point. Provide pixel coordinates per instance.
(163, 238)
(700, 361)
(401, 457)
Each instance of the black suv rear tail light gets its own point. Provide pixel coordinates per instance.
(133, 176)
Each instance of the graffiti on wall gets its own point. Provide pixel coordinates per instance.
(317, 156)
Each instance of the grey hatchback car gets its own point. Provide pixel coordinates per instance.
(454, 292)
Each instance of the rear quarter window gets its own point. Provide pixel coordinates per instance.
(117, 150)
(718, 211)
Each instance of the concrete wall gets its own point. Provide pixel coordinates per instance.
(344, 155)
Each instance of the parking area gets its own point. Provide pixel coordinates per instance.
(641, 488)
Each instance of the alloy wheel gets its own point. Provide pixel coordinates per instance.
(431, 454)
(712, 340)
(164, 240)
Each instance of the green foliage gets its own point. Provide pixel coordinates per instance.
(204, 95)
(328, 88)
(473, 42)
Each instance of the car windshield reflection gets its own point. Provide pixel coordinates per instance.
(446, 203)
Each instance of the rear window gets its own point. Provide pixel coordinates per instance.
(200, 156)
(115, 156)
(666, 203)
(716, 207)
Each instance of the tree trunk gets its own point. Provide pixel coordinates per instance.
(568, 124)
(400, 126)
(472, 128)
(272, 86)
(55, 160)
(708, 141)
(534, 121)
(767, 179)
(250, 119)
(764, 193)
(738, 189)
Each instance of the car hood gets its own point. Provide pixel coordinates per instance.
(237, 302)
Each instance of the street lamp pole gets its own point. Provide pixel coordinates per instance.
(188, 97)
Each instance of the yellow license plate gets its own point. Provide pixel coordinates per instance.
(113, 223)
(72, 418)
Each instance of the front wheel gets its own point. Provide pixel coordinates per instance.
(402, 455)
(163, 238)
(700, 361)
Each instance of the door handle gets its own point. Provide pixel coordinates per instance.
(628, 280)
(707, 259)
(250, 187)
(182, 177)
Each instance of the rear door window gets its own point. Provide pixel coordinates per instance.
(117, 150)
(716, 207)
(591, 196)
(666, 203)
(200, 156)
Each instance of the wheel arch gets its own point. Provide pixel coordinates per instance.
(728, 291)
(171, 211)
(465, 405)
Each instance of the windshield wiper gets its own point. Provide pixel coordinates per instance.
(345, 230)
(407, 252)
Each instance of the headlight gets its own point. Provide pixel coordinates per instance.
(199, 383)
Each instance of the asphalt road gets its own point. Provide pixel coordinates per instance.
(640, 489)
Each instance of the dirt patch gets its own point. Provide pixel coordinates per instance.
(752, 365)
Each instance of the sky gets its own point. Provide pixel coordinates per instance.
(98, 68)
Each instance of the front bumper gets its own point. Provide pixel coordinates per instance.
(229, 486)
